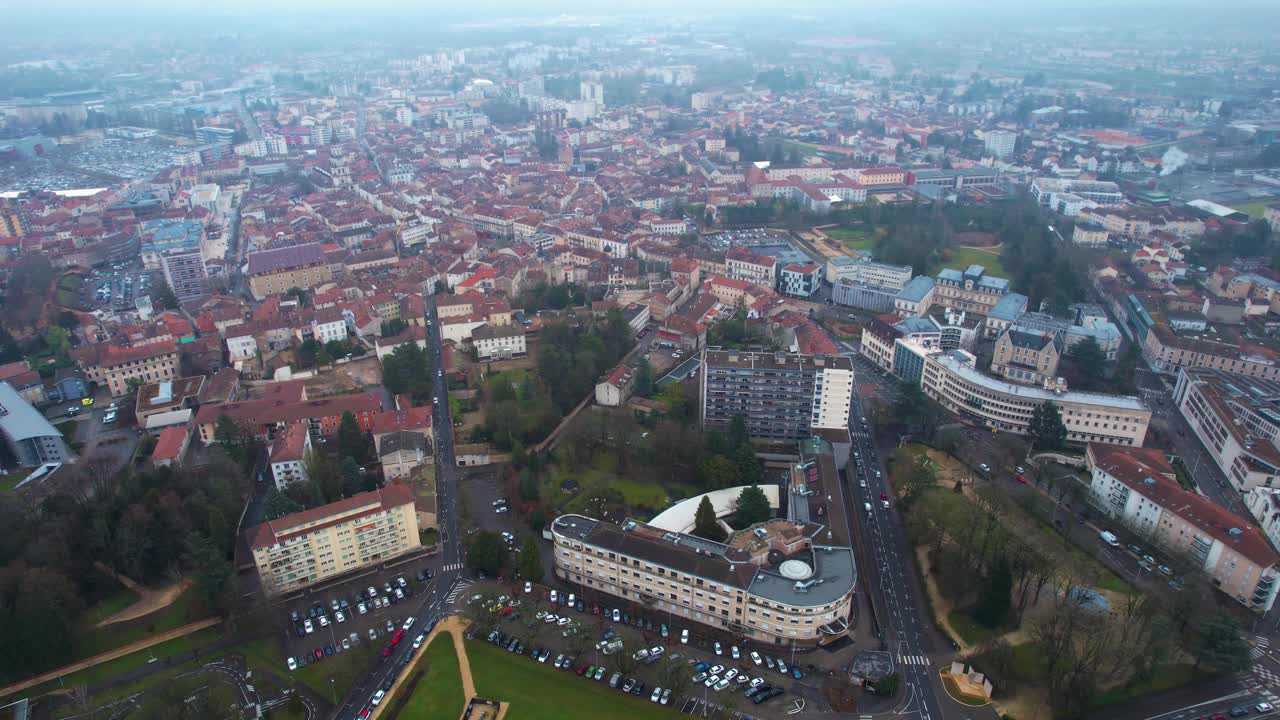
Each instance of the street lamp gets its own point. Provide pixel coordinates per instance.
(1054, 230)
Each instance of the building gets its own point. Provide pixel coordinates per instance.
(304, 548)
(876, 298)
(861, 270)
(1000, 142)
(614, 389)
(781, 582)
(209, 135)
(915, 297)
(264, 418)
(31, 440)
(498, 342)
(114, 366)
(781, 396)
(1167, 351)
(951, 379)
(742, 264)
(168, 235)
(971, 289)
(185, 272)
(1238, 421)
(801, 279)
(171, 446)
(1027, 357)
(274, 271)
(167, 396)
(288, 455)
(1138, 487)
(402, 451)
(1090, 234)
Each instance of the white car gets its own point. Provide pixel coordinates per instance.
(408, 622)
(733, 673)
(307, 626)
(719, 650)
(554, 596)
(362, 608)
(1263, 707)
(417, 642)
(684, 636)
(528, 586)
(293, 664)
(733, 651)
(716, 669)
(340, 617)
(711, 680)
(755, 657)
(377, 697)
(655, 695)
(721, 685)
(757, 682)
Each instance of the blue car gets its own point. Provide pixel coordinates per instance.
(795, 672)
(701, 667)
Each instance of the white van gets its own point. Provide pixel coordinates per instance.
(868, 507)
(1109, 538)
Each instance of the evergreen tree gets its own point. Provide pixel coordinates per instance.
(644, 380)
(352, 441)
(1047, 427)
(529, 561)
(753, 507)
(704, 522)
(738, 435)
(1221, 646)
(996, 598)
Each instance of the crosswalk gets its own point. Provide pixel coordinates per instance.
(913, 660)
(457, 590)
(451, 567)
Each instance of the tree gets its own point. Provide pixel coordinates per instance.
(1047, 429)
(486, 553)
(993, 605)
(392, 327)
(212, 572)
(58, 340)
(352, 477)
(278, 504)
(738, 434)
(1221, 646)
(643, 386)
(352, 441)
(323, 356)
(529, 561)
(298, 294)
(1090, 364)
(753, 507)
(326, 481)
(911, 406)
(718, 472)
(705, 524)
(163, 297)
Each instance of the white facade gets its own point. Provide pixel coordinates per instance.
(1000, 142)
(325, 332)
(831, 401)
(288, 472)
(501, 345)
(241, 347)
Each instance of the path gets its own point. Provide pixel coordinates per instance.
(148, 600)
(110, 655)
(455, 626)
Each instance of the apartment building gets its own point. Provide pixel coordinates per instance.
(114, 366)
(304, 548)
(951, 378)
(1167, 351)
(1138, 487)
(288, 455)
(783, 581)
(782, 396)
(267, 417)
(1027, 357)
(742, 264)
(972, 289)
(801, 279)
(498, 342)
(274, 271)
(186, 274)
(1000, 143)
(1237, 419)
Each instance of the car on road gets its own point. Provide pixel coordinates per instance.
(984, 468)
(684, 636)
(377, 698)
(1135, 549)
(1109, 538)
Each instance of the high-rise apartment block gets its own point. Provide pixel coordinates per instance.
(781, 395)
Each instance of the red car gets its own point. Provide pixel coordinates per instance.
(1020, 479)
(595, 609)
(506, 611)
(364, 713)
(581, 669)
(319, 654)
(398, 636)
(386, 651)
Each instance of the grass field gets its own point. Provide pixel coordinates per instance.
(1255, 208)
(856, 239)
(438, 693)
(67, 292)
(961, 258)
(132, 661)
(539, 692)
(10, 481)
(343, 668)
(109, 606)
(185, 609)
(970, 630)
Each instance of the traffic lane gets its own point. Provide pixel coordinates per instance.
(1202, 700)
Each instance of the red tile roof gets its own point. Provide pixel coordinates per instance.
(169, 443)
(286, 528)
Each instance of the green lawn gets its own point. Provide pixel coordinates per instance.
(438, 692)
(856, 239)
(539, 692)
(1255, 208)
(970, 630)
(1031, 663)
(105, 671)
(961, 258)
(343, 669)
(10, 481)
(1168, 678)
(109, 606)
(185, 609)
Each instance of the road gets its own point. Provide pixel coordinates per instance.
(907, 632)
(428, 607)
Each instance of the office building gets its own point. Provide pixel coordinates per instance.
(971, 289)
(742, 264)
(591, 91)
(781, 396)
(861, 270)
(1138, 487)
(951, 379)
(209, 135)
(304, 548)
(801, 279)
(32, 441)
(781, 582)
(865, 296)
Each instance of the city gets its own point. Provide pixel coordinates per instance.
(378, 362)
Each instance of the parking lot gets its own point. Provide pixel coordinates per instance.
(115, 286)
(634, 650)
(360, 610)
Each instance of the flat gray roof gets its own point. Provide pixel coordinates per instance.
(20, 421)
(1032, 392)
(834, 575)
